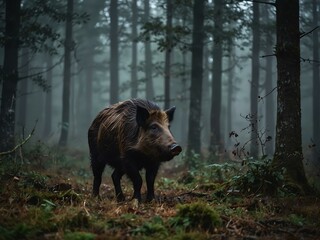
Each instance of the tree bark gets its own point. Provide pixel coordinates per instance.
(68, 47)
(288, 151)
(114, 51)
(194, 132)
(10, 75)
(254, 91)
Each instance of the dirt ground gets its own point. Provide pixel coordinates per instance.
(55, 202)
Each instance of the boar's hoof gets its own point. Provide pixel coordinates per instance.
(97, 196)
(175, 149)
(120, 198)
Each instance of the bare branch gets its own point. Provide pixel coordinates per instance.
(22, 143)
(269, 3)
(305, 34)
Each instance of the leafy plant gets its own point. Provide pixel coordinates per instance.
(296, 219)
(34, 179)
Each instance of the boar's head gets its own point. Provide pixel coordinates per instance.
(155, 139)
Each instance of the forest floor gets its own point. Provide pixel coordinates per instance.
(48, 196)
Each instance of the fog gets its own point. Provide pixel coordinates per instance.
(41, 72)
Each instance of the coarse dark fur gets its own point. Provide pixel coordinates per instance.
(129, 136)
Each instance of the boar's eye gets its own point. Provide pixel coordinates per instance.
(154, 128)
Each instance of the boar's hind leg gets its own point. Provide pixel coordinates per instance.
(151, 174)
(97, 169)
(116, 177)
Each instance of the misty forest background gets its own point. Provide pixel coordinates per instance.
(215, 60)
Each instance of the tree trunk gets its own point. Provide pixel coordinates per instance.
(194, 133)
(216, 87)
(114, 50)
(316, 84)
(134, 35)
(185, 102)
(148, 60)
(66, 77)
(288, 151)
(93, 8)
(22, 98)
(167, 67)
(88, 86)
(270, 116)
(48, 101)
(230, 88)
(10, 75)
(254, 91)
(206, 103)
(148, 57)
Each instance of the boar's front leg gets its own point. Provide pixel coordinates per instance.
(134, 175)
(116, 177)
(151, 173)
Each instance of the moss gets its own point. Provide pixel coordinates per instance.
(79, 236)
(190, 236)
(197, 216)
(72, 218)
(19, 231)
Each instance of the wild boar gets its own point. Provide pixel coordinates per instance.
(130, 136)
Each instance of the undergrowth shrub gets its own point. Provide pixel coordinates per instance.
(246, 177)
(261, 177)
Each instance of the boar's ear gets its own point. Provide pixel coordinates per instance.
(142, 115)
(170, 113)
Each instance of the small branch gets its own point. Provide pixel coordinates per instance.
(20, 144)
(305, 34)
(268, 93)
(269, 55)
(309, 60)
(44, 71)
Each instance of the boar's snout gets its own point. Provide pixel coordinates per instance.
(175, 149)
